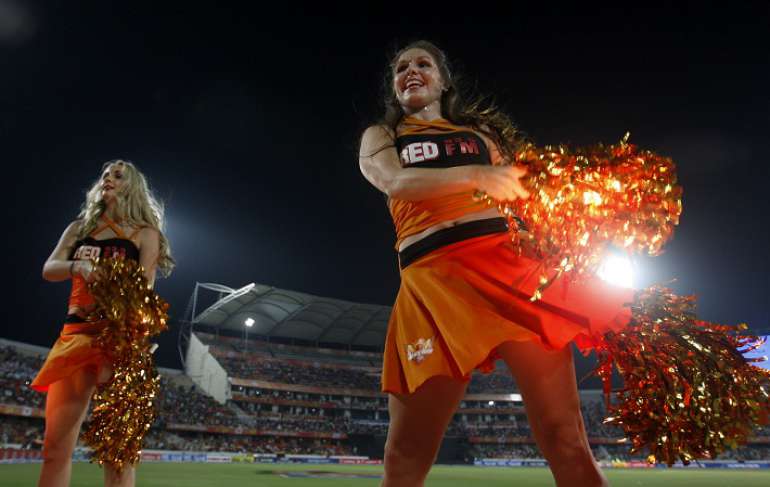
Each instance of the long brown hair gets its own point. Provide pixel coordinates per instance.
(477, 112)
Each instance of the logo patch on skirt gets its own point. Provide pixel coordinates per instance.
(418, 350)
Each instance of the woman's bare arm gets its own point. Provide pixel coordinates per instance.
(149, 251)
(380, 165)
(58, 266)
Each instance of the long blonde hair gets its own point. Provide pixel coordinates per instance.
(136, 205)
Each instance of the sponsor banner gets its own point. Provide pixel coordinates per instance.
(148, 456)
(178, 456)
(730, 464)
(26, 411)
(358, 461)
(15, 455)
(318, 461)
(312, 459)
(241, 458)
(633, 464)
(216, 458)
(501, 462)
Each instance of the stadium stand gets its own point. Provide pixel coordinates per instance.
(303, 378)
(294, 403)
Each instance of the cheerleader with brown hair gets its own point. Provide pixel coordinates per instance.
(120, 217)
(464, 300)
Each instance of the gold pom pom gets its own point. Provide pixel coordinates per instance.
(688, 392)
(584, 199)
(125, 406)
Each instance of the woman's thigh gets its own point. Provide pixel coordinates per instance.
(418, 420)
(66, 406)
(547, 382)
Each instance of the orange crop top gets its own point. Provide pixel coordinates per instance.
(90, 248)
(435, 144)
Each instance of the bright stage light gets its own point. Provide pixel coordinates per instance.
(617, 269)
(249, 322)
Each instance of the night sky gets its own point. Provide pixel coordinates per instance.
(246, 121)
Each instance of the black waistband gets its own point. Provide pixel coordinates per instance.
(73, 318)
(447, 236)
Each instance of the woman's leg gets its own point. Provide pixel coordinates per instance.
(65, 408)
(126, 478)
(547, 383)
(417, 425)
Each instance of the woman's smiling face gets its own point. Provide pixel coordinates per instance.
(416, 79)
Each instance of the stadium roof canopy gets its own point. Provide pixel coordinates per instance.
(291, 314)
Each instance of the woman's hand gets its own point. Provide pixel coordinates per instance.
(501, 182)
(88, 270)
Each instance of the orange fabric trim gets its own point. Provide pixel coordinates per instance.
(411, 125)
(98, 230)
(114, 226)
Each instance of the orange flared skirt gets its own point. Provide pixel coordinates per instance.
(73, 350)
(457, 304)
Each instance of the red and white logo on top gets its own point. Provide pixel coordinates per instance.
(419, 152)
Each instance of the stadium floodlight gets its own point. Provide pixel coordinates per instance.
(249, 322)
(617, 269)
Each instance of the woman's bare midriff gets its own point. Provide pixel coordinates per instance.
(478, 215)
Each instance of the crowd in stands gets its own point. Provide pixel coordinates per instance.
(496, 382)
(356, 402)
(309, 375)
(188, 405)
(16, 371)
(285, 351)
(27, 433)
(318, 374)
(494, 450)
(594, 413)
(209, 442)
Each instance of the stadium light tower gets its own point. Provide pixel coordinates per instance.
(248, 323)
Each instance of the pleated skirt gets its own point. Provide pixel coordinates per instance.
(73, 350)
(457, 304)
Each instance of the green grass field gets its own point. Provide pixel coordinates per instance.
(213, 475)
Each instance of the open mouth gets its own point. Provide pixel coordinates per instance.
(413, 84)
